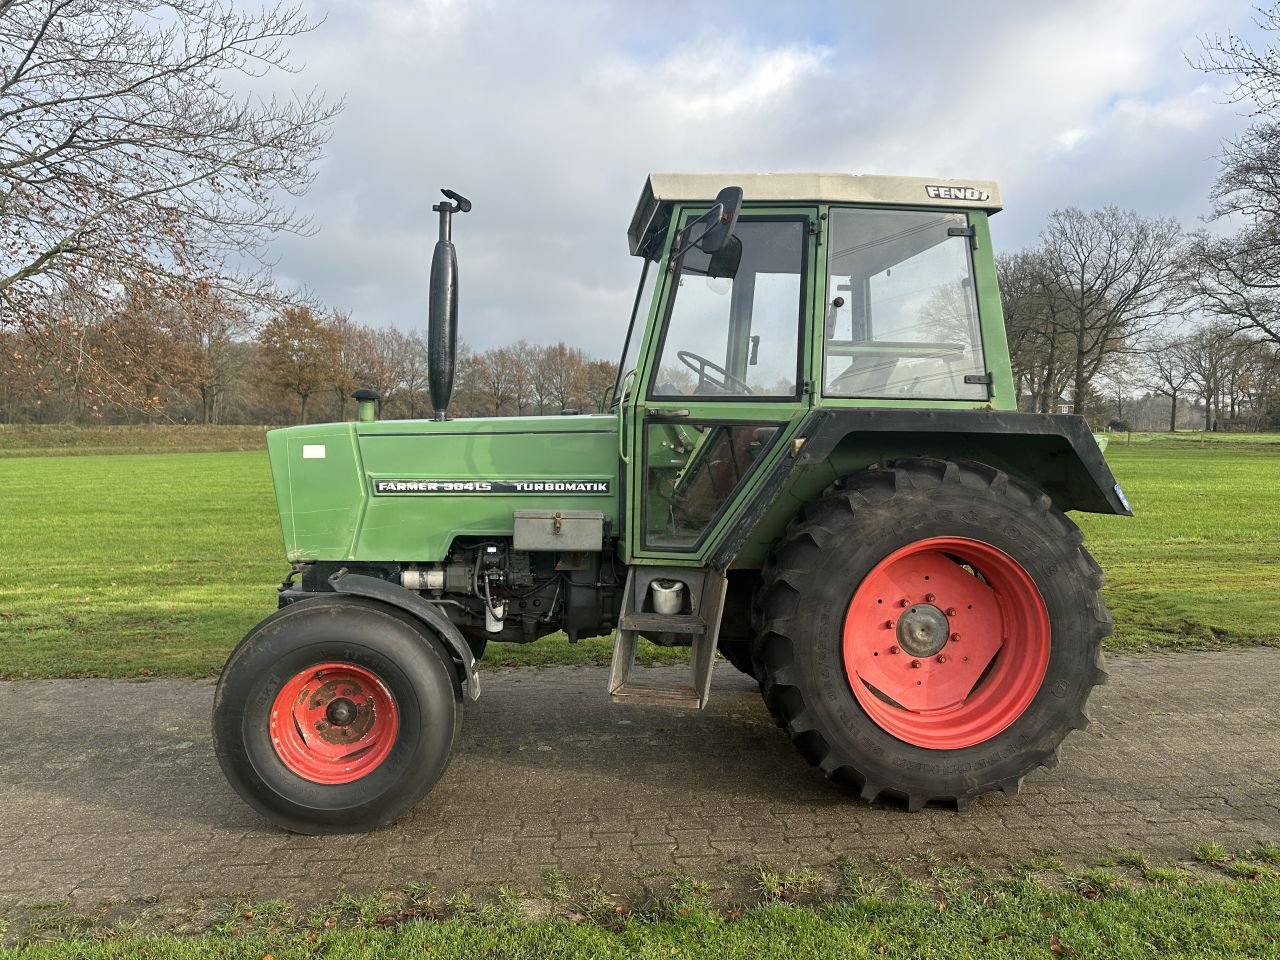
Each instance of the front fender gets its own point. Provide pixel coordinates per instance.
(397, 596)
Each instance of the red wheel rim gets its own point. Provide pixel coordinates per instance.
(946, 642)
(334, 723)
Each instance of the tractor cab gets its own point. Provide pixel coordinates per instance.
(833, 291)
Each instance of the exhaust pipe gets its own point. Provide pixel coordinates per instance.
(442, 316)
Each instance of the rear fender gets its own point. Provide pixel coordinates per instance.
(1054, 452)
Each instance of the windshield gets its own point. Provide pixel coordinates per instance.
(635, 332)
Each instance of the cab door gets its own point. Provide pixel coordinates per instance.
(723, 385)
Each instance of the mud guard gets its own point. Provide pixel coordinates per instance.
(397, 596)
(1056, 452)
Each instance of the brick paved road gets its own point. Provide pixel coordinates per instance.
(110, 788)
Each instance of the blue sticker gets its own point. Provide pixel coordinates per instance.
(1123, 498)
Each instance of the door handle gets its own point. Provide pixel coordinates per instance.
(666, 414)
(622, 416)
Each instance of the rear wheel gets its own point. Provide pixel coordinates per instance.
(931, 631)
(738, 653)
(336, 715)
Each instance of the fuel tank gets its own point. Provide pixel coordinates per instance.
(401, 490)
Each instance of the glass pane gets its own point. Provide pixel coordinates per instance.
(902, 317)
(691, 470)
(639, 317)
(738, 336)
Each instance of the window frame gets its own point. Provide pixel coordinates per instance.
(820, 370)
(671, 292)
(711, 524)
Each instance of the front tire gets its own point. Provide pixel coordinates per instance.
(336, 715)
(931, 632)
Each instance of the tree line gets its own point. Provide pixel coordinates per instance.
(207, 361)
(144, 170)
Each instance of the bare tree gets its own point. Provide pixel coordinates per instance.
(385, 352)
(1040, 345)
(352, 354)
(1115, 275)
(207, 335)
(1167, 374)
(298, 350)
(1204, 352)
(1235, 278)
(1238, 276)
(598, 378)
(128, 159)
(562, 368)
(413, 371)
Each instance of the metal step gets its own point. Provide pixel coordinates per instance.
(706, 592)
(660, 623)
(646, 692)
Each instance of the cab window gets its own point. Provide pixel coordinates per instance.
(738, 335)
(901, 315)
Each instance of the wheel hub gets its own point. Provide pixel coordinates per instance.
(341, 712)
(923, 630)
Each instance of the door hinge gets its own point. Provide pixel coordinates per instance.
(970, 231)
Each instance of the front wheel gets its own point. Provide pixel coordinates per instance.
(931, 631)
(335, 715)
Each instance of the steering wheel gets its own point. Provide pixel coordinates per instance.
(700, 365)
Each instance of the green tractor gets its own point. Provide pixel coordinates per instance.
(813, 463)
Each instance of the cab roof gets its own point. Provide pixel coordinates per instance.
(662, 189)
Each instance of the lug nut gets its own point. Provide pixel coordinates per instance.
(904, 602)
(928, 598)
(942, 658)
(951, 611)
(955, 637)
(888, 624)
(915, 664)
(893, 649)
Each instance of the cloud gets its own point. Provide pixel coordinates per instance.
(549, 116)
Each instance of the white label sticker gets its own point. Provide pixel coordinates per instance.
(313, 451)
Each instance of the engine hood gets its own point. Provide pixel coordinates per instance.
(402, 490)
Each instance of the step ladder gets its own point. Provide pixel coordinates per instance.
(699, 620)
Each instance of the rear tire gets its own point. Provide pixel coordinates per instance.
(738, 653)
(336, 715)
(997, 674)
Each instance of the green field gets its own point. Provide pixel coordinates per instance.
(156, 564)
(62, 440)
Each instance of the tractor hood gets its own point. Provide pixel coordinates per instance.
(404, 489)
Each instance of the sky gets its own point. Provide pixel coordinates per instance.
(549, 115)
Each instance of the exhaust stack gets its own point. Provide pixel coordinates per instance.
(442, 316)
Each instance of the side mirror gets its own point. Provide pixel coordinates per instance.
(725, 261)
(717, 224)
(720, 229)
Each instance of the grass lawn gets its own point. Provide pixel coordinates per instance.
(52, 440)
(137, 564)
(1199, 562)
(1015, 918)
